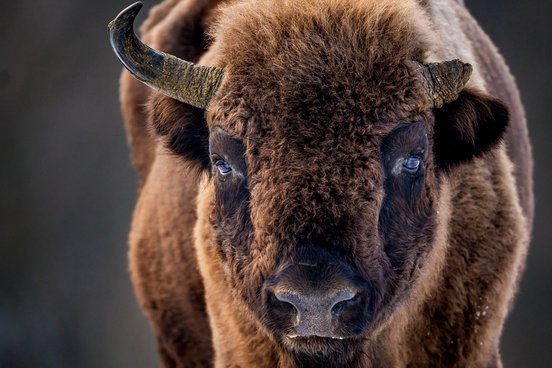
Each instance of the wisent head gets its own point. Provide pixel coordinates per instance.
(325, 137)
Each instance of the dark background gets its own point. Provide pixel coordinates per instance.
(67, 189)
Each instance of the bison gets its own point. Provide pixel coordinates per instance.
(333, 183)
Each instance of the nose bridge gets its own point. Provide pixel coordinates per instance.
(317, 206)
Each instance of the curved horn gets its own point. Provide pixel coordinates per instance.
(174, 77)
(445, 80)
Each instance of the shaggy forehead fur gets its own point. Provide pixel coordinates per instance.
(304, 55)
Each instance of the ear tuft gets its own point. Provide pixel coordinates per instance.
(468, 127)
(182, 129)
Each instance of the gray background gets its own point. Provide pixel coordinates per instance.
(67, 189)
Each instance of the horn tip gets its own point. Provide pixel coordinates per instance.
(133, 8)
(128, 13)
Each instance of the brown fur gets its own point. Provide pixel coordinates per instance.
(319, 95)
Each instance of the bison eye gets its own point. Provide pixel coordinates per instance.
(223, 167)
(412, 164)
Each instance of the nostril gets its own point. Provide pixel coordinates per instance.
(345, 304)
(282, 306)
(289, 297)
(277, 299)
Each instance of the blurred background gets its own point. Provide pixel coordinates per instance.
(67, 189)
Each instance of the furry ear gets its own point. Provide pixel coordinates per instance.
(182, 129)
(468, 127)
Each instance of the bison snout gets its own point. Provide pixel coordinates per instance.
(306, 301)
(315, 313)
